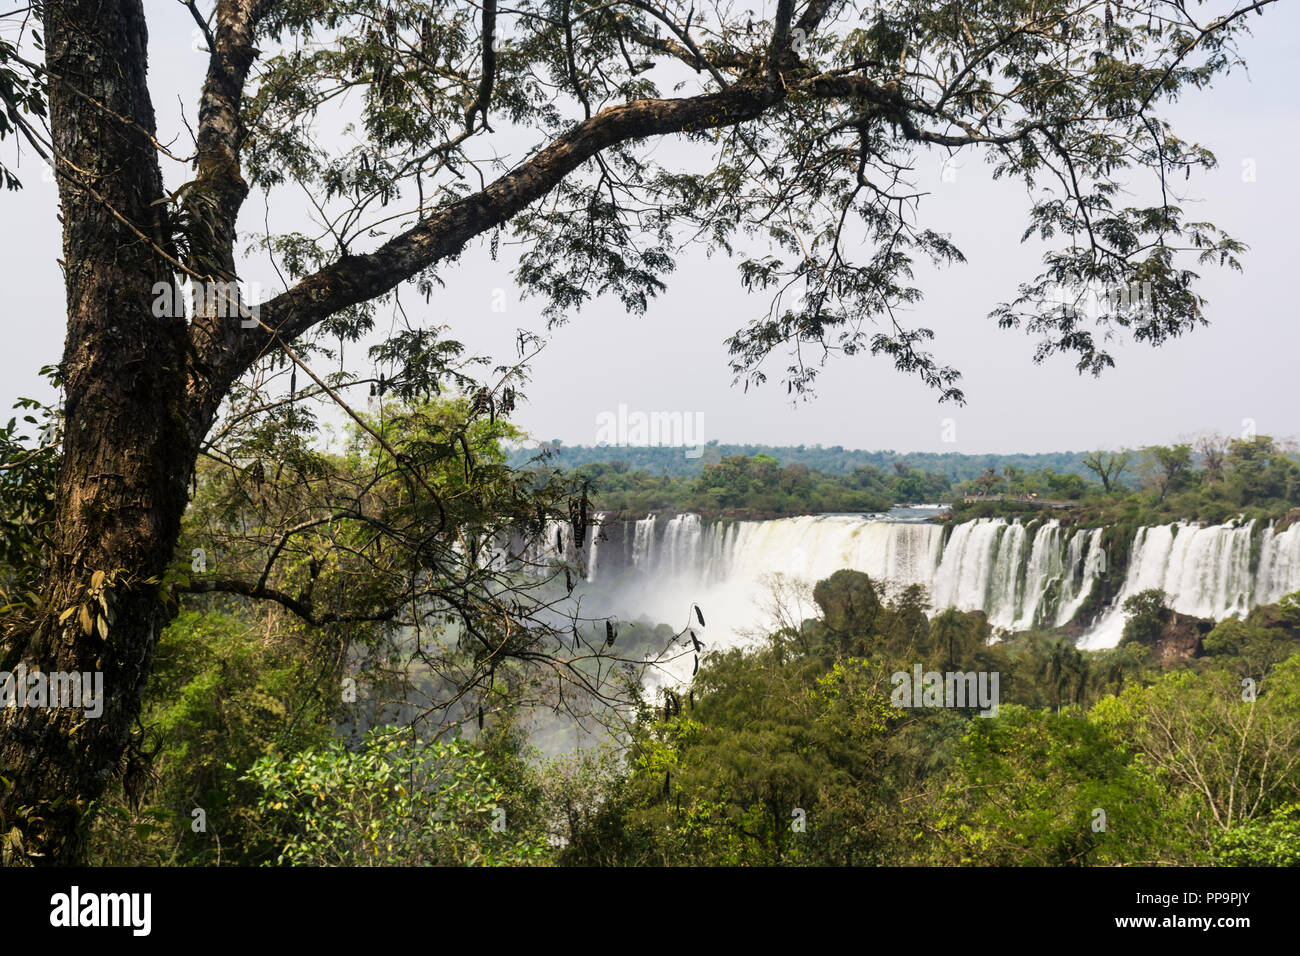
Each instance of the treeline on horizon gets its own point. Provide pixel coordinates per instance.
(1212, 480)
(834, 460)
(758, 487)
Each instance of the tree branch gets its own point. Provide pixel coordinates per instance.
(301, 608)
(355, 279)
(489, 66)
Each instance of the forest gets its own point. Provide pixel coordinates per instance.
(270, 515)
(669, 460)
(1212, 479)
(789, 751)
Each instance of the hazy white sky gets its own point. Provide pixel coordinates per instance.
(1240, 367)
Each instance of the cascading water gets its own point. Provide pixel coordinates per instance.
(1021, 576)
(681, 545)
(1279, 565)
(1085, 562)
(1205, 572)
(643, 543)
(593, 544)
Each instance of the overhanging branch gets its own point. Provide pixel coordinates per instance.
(301, 607)
(355, 279)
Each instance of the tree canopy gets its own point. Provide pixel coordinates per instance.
(795, 134)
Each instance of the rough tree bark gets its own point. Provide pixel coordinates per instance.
(128, 446)
(142, 391)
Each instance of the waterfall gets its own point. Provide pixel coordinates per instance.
(1085, 562)
(1047, 572)
(593, 548)
(1204, 572)
(681, 545)
(1005, 589)
(1279, 564)
(966, 569)
(1023, 576)
(644, 542)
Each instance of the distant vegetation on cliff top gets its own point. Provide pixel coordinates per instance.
(1212, 479)
(836, 460)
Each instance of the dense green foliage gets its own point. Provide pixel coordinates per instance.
(1213, 481)
(1272, 841)
(228, 689)
(1147, 616)
(791, 753)
(760, 487)
(29, 461)
(393, 800)
(835, 460)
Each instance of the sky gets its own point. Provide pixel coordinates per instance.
(1236, 374)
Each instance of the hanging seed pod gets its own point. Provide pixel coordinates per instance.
(582, 513)
(700, 615)
(578, 520)
(610, 634)
(469, 460)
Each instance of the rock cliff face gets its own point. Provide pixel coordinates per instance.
(1181, 638)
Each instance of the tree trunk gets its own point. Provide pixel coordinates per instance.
(129, 444)
(142, 389)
